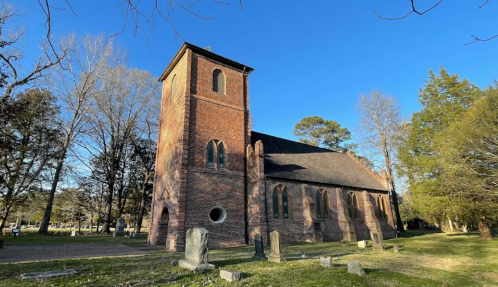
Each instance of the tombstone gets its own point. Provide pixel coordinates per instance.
(396, 248)
(377, 241)
(363, 244)
(229, 276)
(73, 233)
(326, 262)
(275, 254)
(120, 225)
(356, 268)
(259, 247)
(196, 250)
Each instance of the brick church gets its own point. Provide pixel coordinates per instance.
(212, 171)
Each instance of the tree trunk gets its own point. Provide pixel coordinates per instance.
(48, 209)
(140, 217)
(485, 230)
(106, 229)
(4, 217)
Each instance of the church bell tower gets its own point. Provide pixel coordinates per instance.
(200, 168)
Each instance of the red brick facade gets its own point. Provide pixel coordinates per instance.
(189, 192)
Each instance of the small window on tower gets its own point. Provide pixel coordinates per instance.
(221, 156)
(218, 82)
(210, 154)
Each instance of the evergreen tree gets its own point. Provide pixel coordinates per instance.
(444, 99)
(324, 133)
(469, 163)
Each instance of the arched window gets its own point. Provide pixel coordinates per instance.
(318, 205)
(218, 82)
(210, 154)
(221, 156)
(381, 208)
(216, 154)
(173, 87)
(322, 204)
(281, 202)
(285, 202)
(352, 206)
(276, 203)
(325, 205)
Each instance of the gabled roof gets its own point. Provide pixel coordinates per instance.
(205, 53)
(292, 160)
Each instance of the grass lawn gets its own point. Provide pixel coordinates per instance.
(435, 259)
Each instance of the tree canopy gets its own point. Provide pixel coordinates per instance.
(444, 99)
(323, 133)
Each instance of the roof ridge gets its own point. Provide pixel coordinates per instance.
(308, 145)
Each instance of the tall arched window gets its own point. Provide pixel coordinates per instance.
(281, 202)
(381, 208)
(221, 156)
(210, 154)
(352, 206)
(276, 203)
(325, 205)
(216, 155)
(285, 202)
(318, 205)
(218, 81)
(173, 87)
(322, 204)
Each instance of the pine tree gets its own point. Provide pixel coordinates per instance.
(444, 99)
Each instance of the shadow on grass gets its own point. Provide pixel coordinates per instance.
(414, 233)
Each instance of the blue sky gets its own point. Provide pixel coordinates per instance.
(310, 57)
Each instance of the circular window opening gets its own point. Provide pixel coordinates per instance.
(217, 214)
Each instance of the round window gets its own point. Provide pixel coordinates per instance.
(217, 214)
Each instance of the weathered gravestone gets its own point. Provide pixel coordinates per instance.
(356, 268)
(259, 247)
(120, 225)
(377, 241)
(396, 248)
(326, 262)
(275, 254)
(363, 244)
(73, 233)
(229, 276)
(196, 250)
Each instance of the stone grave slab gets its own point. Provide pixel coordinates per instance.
(275, 254)
(363, 244)
(377, 241)
(38, 275)
(229, 276)
(259, 247)
(196, 250)
(326, 262)
(120, 225)
(356, 268)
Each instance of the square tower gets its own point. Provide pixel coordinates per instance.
(200, 168)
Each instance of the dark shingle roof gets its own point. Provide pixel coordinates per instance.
(297, 161)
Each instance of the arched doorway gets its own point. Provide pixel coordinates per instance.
(163, 226)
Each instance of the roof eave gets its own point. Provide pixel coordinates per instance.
(203, 52)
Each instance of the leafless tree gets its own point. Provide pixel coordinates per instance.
(127, 96)
(414, 10)
(75, 83)
(142, 14)
(11, 56)
(380, 127)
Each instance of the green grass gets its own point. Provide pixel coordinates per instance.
(425, 260)
(36, 239)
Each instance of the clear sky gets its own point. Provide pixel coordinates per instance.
(310, 57)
